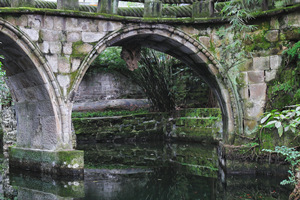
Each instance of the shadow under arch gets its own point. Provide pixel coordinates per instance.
(180, 45)
(34, 91)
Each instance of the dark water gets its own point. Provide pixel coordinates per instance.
(154, 171)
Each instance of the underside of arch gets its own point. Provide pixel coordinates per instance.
(182, 47)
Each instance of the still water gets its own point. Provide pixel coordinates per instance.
(150, 171)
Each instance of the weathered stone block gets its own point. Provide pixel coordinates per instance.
(258, 91)
(52, 60)
(272, 35)
(44, 47)
(32, 33)
(63, 80)
(64, 65)
(73, 36)
(270, 75)
(261, 63)
(275, 62)
(67, 48)
(50, 35)
(205, 41)
(91, 36)
(55, 47)
(256, 77)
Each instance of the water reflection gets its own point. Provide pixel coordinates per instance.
(152, 172)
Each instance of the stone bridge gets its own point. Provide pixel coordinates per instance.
(47, 52)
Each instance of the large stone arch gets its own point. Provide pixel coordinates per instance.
(176, 43)
(35, 92)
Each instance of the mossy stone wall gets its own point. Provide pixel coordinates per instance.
(202, 125)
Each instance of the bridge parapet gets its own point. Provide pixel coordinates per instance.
(151, 8)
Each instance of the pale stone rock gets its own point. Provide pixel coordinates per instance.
(32, 33)
(63, 80)
(52, 60)
(55, 47)
(270, 75)
(275, 62)
(67, 48)
(91, 36)
(34, 21)
(58, 23)
(205, 40)
(85, 48)
(73, 36)
(87, 25)
(48, 22)
(63, 64)
(258, 91)
(75, 64)
(22, 21)
(50, 35)
(261, 63)
(72, 24)
(44, 47)
(256, 77)
(272, 35)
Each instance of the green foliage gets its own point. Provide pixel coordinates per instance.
(164, 79)
(293, 157)
(283, 121)
(108, 113)
(109, 61)
(294, 51)
(154, 75)
(285, 89)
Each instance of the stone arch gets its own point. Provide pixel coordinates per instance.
(182, 46)
(35, 92)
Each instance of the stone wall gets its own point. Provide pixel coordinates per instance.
(105, 86)
(198, 125)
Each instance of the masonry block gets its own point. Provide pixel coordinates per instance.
(261, 63)
(258, 91)
(256, 77)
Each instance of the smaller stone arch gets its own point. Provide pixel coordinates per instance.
(182, 46)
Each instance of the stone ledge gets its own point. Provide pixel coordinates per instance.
(63, 163)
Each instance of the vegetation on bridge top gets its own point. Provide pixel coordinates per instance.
(169, 13)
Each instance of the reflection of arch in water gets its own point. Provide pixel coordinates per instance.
(35, 92)
(183, 47)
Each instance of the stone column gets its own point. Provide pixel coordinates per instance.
(68, 4)
(152, 8)
(108, 6)
(202, 9)
(23, 3)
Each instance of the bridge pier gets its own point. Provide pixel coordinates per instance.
(60, 162)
